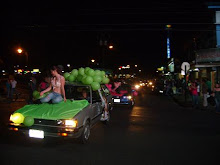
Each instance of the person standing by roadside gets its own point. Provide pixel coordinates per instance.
(216, 94)
(13, 89)
(195, 100)
(204, 93)
(209, 84)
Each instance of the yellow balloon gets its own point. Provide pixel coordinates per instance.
(17, 118)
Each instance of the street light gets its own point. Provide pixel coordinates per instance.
(20, 51)
(110, 47)
(92, 60)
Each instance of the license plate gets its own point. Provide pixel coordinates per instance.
(36, 133)
(117, 100)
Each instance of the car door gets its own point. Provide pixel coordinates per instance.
(96, 106)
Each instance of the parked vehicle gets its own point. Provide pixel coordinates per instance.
(71, 119)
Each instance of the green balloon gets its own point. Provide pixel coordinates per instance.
(79, 77)
(97, 78)
(28, 121)
(90, 72)
(81, 71)
(97, 72)
(83, 79)
(95, 86)
(71, 78)
(102, 73)
(105, 80)
(74, 72)
(87, 69)
(66, 75)
(88, 80)
(35, 93)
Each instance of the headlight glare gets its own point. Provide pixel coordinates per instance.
(71, 123)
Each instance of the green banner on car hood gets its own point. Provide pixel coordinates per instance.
(62, 110)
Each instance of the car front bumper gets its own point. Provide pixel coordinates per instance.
(43, 131)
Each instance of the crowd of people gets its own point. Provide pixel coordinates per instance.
(200, 92)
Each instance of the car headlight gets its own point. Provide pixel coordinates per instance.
(129, 97)
(71, 123)
(137, 86)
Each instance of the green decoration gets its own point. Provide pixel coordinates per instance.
(71, 78)
(66, 75)
(95, 86)
(62, 110)
(74, 72)
(97, 72)
(105, 80)
(88, 80)
(87, 69)
(79, 77)
(81, 71)
(83, 79)
(97, 79)
(91, 72)
(102, 73)
(35, 93)
(28, 121)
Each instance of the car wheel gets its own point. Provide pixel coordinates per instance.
(85, 133)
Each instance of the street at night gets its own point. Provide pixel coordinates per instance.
(155, 131)
(110, 82)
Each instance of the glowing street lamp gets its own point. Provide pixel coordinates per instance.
(92, 60)
(19, 50)
(110, 47)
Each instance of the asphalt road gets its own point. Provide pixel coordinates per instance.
(156, 131)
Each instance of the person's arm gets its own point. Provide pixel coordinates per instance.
(46, 90)
(62, 89)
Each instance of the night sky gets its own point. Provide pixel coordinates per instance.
(63, 32)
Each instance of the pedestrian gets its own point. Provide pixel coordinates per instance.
(168, 87)
(57, 83)
(209, 84)
(216, 94)
(204, 93)
(194, 93)
(198, 86)
(13, 83)
(8, 88)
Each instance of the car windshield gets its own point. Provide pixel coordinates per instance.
(125, 87)
(77, 92)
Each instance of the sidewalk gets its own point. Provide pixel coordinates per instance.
(187, 103)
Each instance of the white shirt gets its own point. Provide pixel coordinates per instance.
(13, 83)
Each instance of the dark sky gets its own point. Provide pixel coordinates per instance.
(63, 32)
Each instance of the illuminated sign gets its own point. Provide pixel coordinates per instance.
(168, 47)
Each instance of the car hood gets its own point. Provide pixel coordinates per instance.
(62, 110)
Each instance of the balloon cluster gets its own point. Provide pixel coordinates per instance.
(87, 76)
(18, 118)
